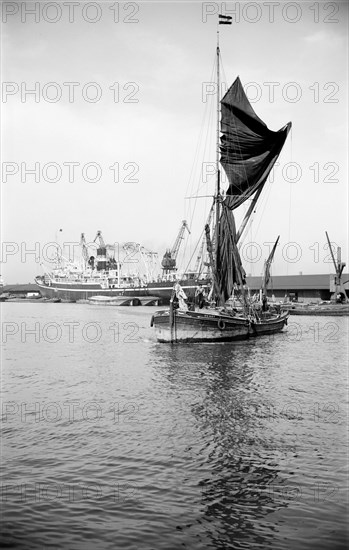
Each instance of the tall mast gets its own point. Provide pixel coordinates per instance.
(218, 182)
(217, 145)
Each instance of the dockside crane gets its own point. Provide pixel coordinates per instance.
(169, 260)
(100, 238)
(84, 250)
(200, 263)
(339, 293)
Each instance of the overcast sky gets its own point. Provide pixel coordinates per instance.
(148, 63)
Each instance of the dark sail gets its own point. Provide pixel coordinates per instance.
(229, 270)
(248, 148)
(268, 264)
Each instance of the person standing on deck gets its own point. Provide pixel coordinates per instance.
(199, 297)
(264, 303)
(181, 296)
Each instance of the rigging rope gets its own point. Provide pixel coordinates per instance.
(202, 149)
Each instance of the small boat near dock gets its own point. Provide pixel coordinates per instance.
(328, 309)
(124, 300)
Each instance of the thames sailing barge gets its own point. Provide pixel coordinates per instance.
(247, 150)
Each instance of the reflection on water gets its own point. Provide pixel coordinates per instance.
(253, 436)
(156, 446)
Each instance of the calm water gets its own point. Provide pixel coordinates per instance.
(111, 440)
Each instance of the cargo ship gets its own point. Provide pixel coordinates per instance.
(105, 275)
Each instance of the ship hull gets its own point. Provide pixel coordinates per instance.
(210, 326)
(269, 326)
(73, 292)
(190, 326)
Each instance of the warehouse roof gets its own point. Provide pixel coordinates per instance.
(297, 282)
